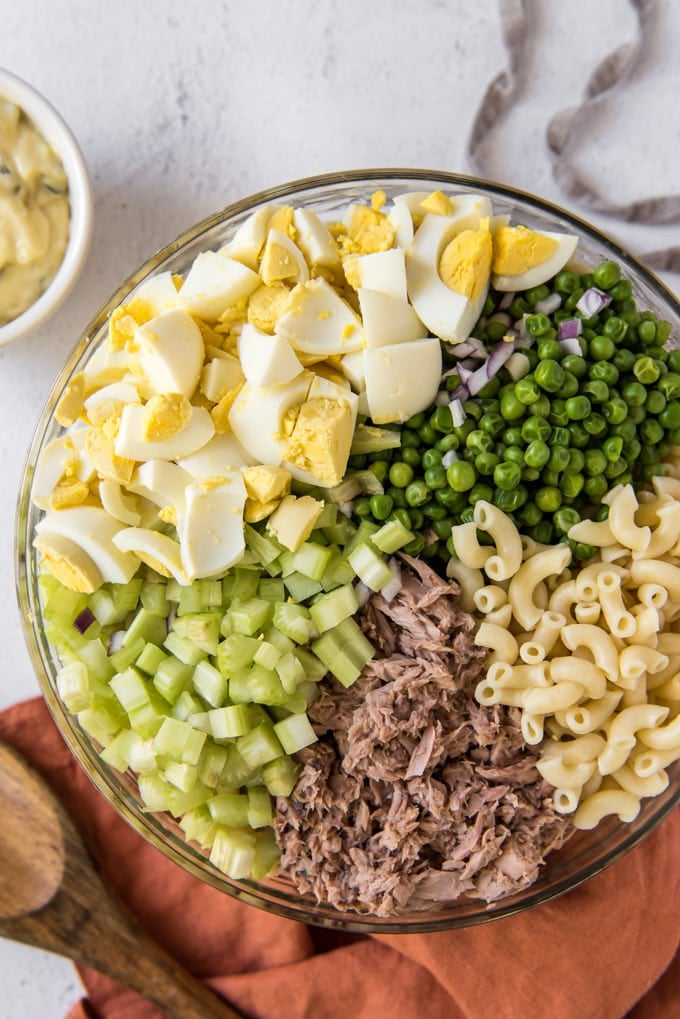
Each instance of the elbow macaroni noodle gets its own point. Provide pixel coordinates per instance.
(591, 658)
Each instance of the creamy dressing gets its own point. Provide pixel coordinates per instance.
(34, 213)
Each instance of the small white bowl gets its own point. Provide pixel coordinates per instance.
(54, 129)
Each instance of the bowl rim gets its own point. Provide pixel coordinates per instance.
(184, 854)
(55, 130)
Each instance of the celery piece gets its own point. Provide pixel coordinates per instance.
(179, 740)
(356, 643)
(310, 691)
(120, 750)
(66, 639)
(287, 563)
(267, 855)
(200, 720)
(63, 606)
(185, 706)
(294, 621)
(150, 658)
(190, 600)
(370, 567)
(273, 569)
(182, 776)
(73, 684)
(99, 723)
(267, 655)
(235, 652)
(154, 598)
(280, 776)
(341, 532)
(259, 807)
(295, 733)
(194, 746)
(211, 764)
(181, 801)
(172, 678)
(265, 686)
(201, 628)
(148, 719)
(290, 671)
(142, 756)
(295, 704)
(152, 628)
(370, 439)
(392, 536)
(364, 533)
(300, 587)
(339, 571)
(240, 583)
(311, 559)
(236, 771)
(125, 656)
(211, 594)
(230, 721)
(184, 649)
(93, 656)
(257, 713)
(198, 826)
(260, 745)
(173, 590)
(330, 609)
(315, 670)
(327, 518)
(233, 853)
(348, 489)
(126, 596)
(278, 639)
(265, 547)
(130, 689)
(271, 589)
(330, 649)
(210, 684)
(104, 608)
(155, 791)
(249, 617)
(239, 691)
(230, 809)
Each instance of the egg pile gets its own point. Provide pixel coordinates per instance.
(216, 394)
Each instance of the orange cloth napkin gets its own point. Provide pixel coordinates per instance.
(604, 951)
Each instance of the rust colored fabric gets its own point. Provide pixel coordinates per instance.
(607, 950)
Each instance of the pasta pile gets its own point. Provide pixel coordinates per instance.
(592, 658)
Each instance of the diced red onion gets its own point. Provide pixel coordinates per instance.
(393, 586)
(458, 414)
(84, 620)
(477, 380)
(569, 328)
(592, 302)
(450, 457)
(460, 393)
(464, 374)
(472, 347)
(501, 353)
(571, 346)
(548, 305)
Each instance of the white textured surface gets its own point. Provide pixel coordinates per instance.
(182, 108)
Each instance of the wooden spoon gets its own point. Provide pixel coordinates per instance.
(52, 897)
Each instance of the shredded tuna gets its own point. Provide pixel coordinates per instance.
(415, 794)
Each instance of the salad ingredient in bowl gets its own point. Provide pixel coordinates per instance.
(248, 461)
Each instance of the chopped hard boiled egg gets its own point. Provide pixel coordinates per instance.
(257, 416)
(318, 448)
(132, 442)
(169, 352)
(282, 260)
(157, 550)
(315, 239)
(388, 319)
(92, 530)
(384, 271)
(248, 241)
(402, 379)
(68, 562)
(318, 321)
(211, 533)
(215, 282)
(524, 258)
(294, 520)
(266, 360)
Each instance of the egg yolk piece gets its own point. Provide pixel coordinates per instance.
(465, 264)
(321, 439)
(516, 249)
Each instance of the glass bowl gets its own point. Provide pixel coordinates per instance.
(586, 853)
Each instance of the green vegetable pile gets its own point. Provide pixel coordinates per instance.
(545, 447)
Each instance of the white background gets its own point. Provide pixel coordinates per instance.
(182, 107)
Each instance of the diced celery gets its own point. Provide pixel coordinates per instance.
(267, 855)
(235, 652)
(280, 776)
(172, 678)
(104, 608)
(230, 809)
(328, 516)
(339, 571)
(230, 721)
(201, 628)
(278, 639)
(120, 751)
(267, 655)
(211, 765)
(153, 597)
(179, 740)
(126, 596)
(63, 606)
(348, 489)
(99, 723)
(265, 547)
(236, 771)
(210, 684)
(287, 562)
(233, 852)
(142, 756)
(125, 656)
(194, 746)
(149, 659)
(392, 536)
(211, 594)
(356, 642)
(130, 689)
(370, 439)
(66, 638)
(181, 801)
(260, 745)
(147, 720)
(271, 589)
(370, 567)
(330, 609)
(257, 713)
(311, 559)
(294, 704)
(201, 720)
(310, 692)
(330, 648)
(249, 617)
(294, 621)
(341, 532)
(190, 600)
(314, 668)
(151, 628)
(173, 590)
(240, 583)
(239, 691)
(265, 686)
(295, 733)
(290, 672)
(185, 705)
(198, 826)
(365, 531)
(300, 587)
(184, 649)
(93, 656)
(259, 807)
(182, 776)
(73, 684)
(155, 791)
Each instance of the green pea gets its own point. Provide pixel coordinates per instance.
(454, 501)
(537, 324)
(655, 402)
(400, 474)
(543, 532)
(569, 387)
(410, 440)
(535, 427)
(381, 506)
(380, 469)
(479, 441)
(670, 385)
(559, 458)
(596, 487)
(398, 497)
(663, 331)
(634, 393)
(467, 515)
(496, 330)
(601, 348)
(651, 431)
(559, 436)
(510, 500)
(576, 463)
(542, 407)
(664, 448)
(648, 455)
(441, 420)
(530, 514)
(647, 331)
(519, 307)
(631, 450)
(548, 499)
(578, 436)
(507, 475)
(626, 429)
(550, 478)
(606, 275)
(431, 458)
(480, 491)
(417, 518)
(624, 359)
(614, 411)
(587, 280)
(674, 359)
(435, 477)
(566, 282)
(572, 485)
(650, 471)
(615, 469)
(612, 447)
(646, 370)
(492, 423)
(411, 457)
(615, 328)
(486, 463)
(447, 442)
(359, 461)
(549, 375)
(670, 415)
(578, 366)
(428, 435)
(403, 517)
(435, 511)
(604, 371)
(416, 546)
(442, 528)
(637, 414)
(536, 294)
(362, 506)
(583, 551)
(558, 413)
(416, 421)
(550, 350)
(417, 493)
(578, 408)
(526, 391)
(515, 454)
(530, 473)
(512, 437)
(537, 453)
(574, 297)
(461, 476)
(596, 391)
(565, 518)
(512, 409)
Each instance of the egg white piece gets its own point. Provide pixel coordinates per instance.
(353, 368)
(266, 360)
(125, 392)
(384, 271)
(159, 294)
(322, 388)
(268, 262)
(221, 375)
(256, 417)
(65, 453)
(105, 366)
(155, 549)
(131, 443)
(118, 503)
(221, 455)
(388, 319)
(545, 270)
(402, 379)
(212, 535)
(169, 352)
(248, 241)
(93, 530)
(315, 240)
(318, 321)
(215, 282)
(163, 483)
